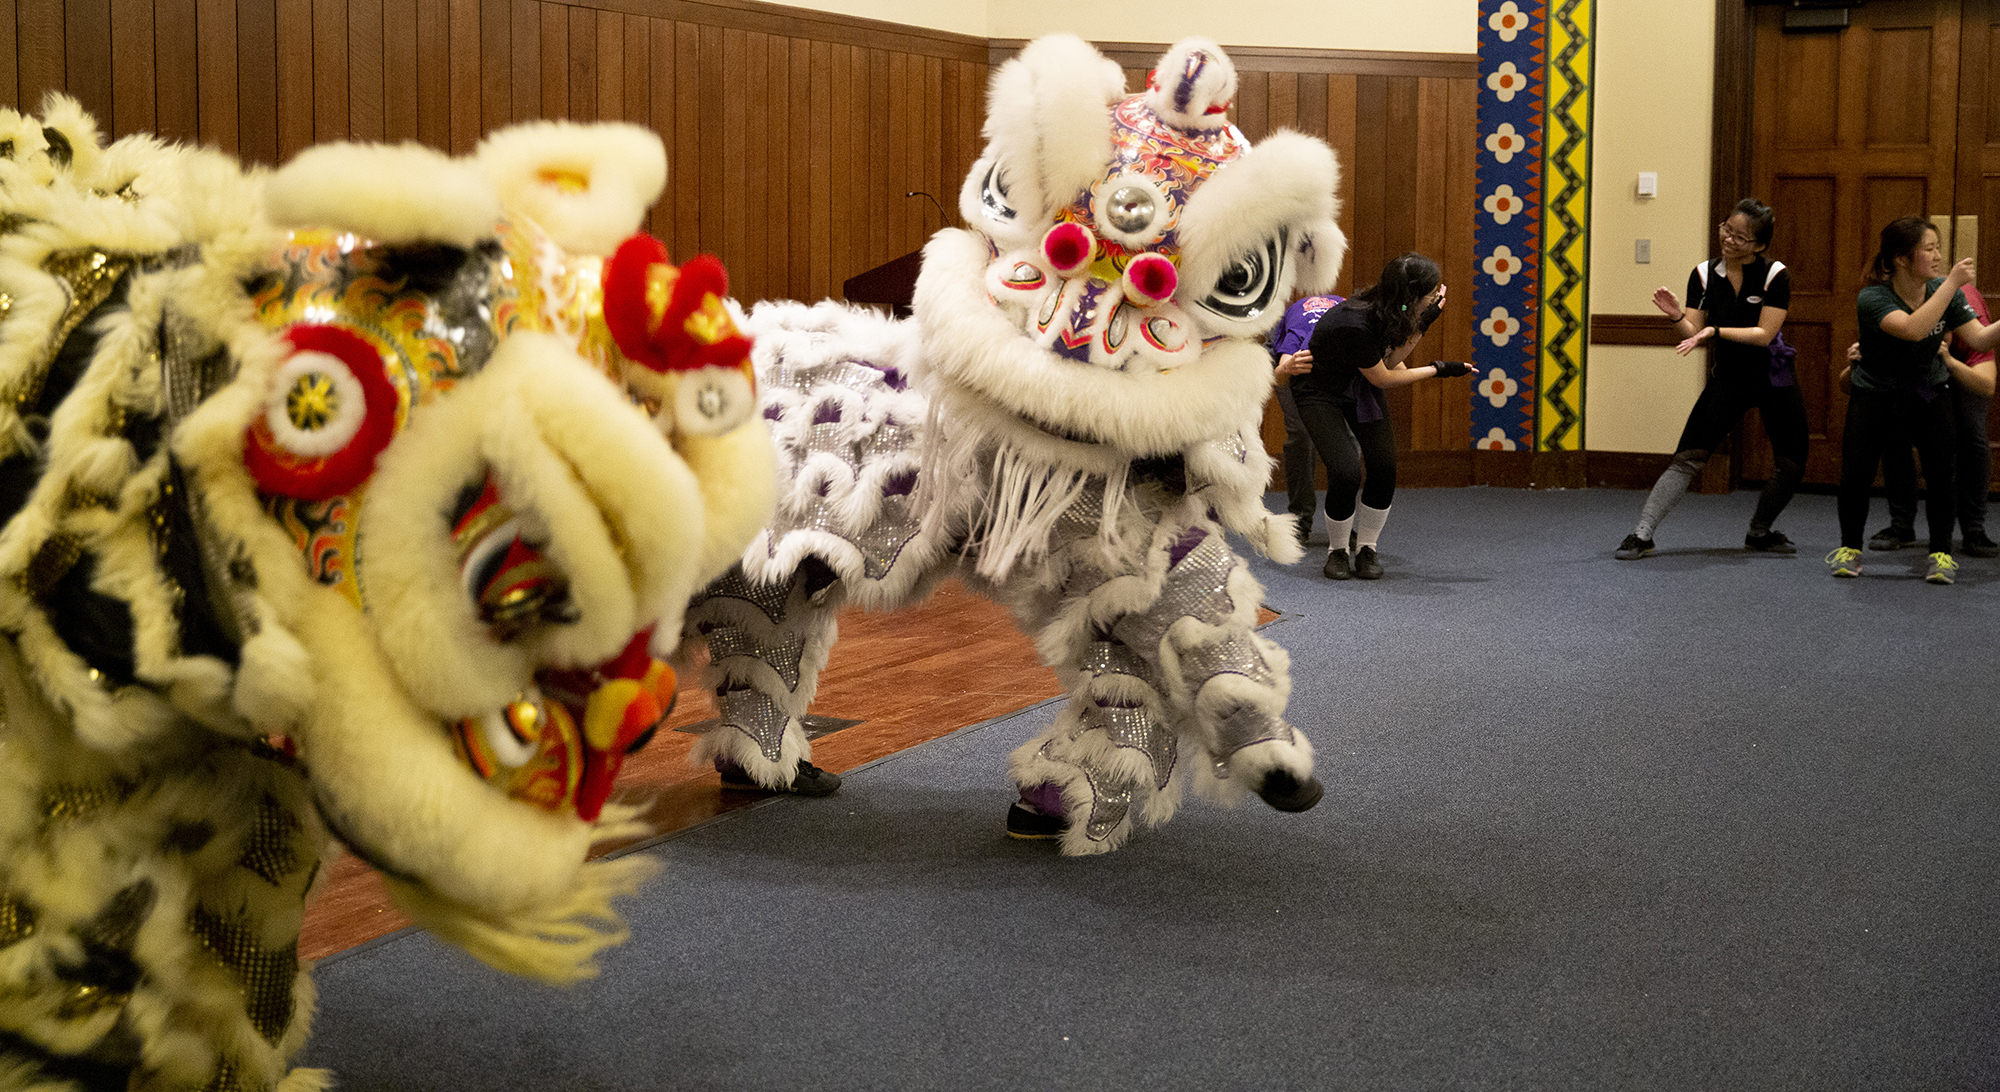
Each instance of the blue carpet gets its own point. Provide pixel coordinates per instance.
(1710, 820)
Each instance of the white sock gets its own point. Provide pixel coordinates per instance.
(1368, 525)
(1336, 533)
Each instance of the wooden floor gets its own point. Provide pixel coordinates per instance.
(908, 677)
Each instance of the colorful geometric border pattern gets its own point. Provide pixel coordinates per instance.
(1565, 279)
(1507, 225)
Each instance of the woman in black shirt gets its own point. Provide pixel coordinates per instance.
(1357, 352)
(1735, 305)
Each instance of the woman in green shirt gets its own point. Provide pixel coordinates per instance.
(1899, 392)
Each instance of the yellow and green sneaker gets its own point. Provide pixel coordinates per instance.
(1943, 570)
(1844, 561)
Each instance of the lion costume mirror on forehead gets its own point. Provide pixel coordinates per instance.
(1071, 422)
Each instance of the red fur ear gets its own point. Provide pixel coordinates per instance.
(626, 313)
(670, 319)
(331, 411)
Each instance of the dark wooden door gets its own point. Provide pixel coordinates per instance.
(1852, 129)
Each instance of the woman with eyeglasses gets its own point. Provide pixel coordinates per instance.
(1357, 351)
(1735, 305)
(1899, 381)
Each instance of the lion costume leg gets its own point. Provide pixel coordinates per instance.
(1156, 658)
(766, 646)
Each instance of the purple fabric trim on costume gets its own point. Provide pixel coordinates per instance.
(1044, 797)
(1368, 404)
(1184, 545)
(826, 413)
(900, 484)
(893, 378)
(773, 413)
(1184, 90)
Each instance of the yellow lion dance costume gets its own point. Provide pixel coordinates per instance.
(340, 502)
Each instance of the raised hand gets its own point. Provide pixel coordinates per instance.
(1962, 274)
(1668, 303)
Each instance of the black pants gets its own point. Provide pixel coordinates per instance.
(1721, 407)
(1351, 451)
(1300, 496)
(1877, 420)
(1973, 468)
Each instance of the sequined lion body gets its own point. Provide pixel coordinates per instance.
(1070, 421)
(335, 508)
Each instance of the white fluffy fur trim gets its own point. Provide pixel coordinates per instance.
(1286, 182)
(401, 193)
(970, 343)
(621, 169)
(1048, 129)
(1194, 76)
(732, 744)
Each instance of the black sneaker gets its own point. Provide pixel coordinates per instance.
(1284, 792)
(809, 780)
(1337, 566)
(1366, 565)
(1633, 548)
(1892, 537)
(1028, 824)
(1978, 545)
(1770, 542)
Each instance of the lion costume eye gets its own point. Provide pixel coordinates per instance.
(1249, 283)
(331, 411)
(993, 195)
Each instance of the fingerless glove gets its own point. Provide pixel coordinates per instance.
(1451, 369)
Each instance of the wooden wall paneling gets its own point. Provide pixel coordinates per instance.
(1461, 197)
(1253, 104)
(39, 34)
(935, 152)
(817, 250)
(555, 61)
(10, 55)
(659, 117)
(841, 211)
(728, 169)
(496, 63)
(329, 70)
(687, 150)
(875, 200)
(1312, 104)
(87, 49)
(218, 116)
(905, 145)
(609, 58)
(1341, 132)
(712, 216)
(294, 26)
(1283, 111)
(582, 64)
(952, 136)
(1807, 109)
(524, 85)
(638, 64)
(176, 80)
(462, 55)
(753, 178)
(798, 193)
(132, 91)
(257, 80)
(365, 78)
(434, 78)
(1401, 141)
(1431, 166)
(1368, 244)
(401, 95)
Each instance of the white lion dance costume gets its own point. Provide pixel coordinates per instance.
(1071, 421)
(359, 528)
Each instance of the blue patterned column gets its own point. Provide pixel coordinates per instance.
(1507, 227)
